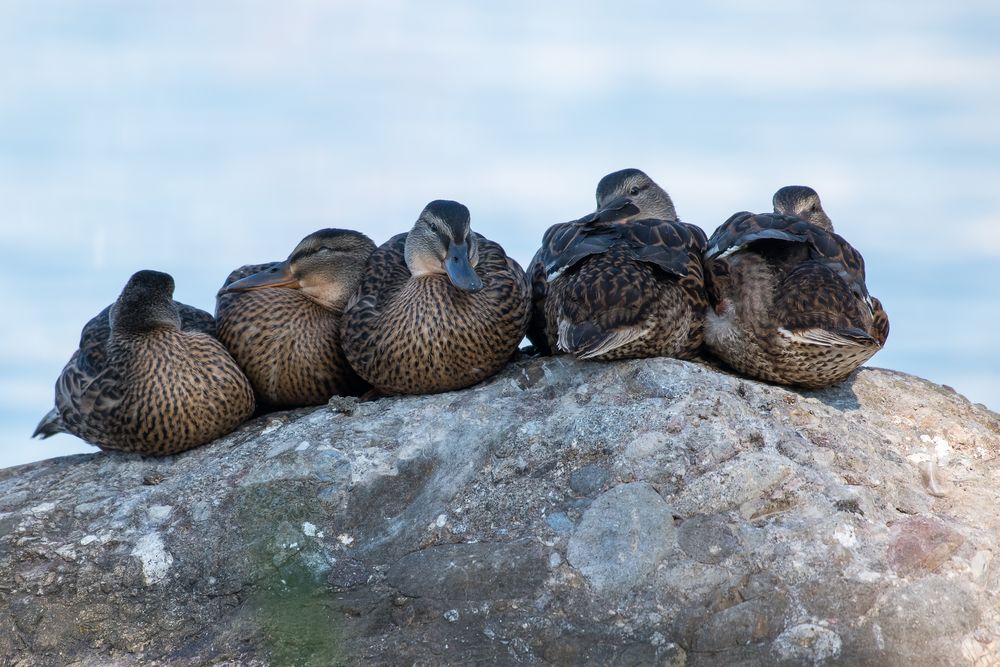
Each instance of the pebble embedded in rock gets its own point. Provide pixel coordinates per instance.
(559, 522)
(621, 537)
(706, 538)
(589, 479)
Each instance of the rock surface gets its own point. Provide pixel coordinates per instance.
(653, 512)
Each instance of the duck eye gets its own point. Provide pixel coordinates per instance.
(634, 190)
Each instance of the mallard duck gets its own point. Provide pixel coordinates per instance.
(281, 321)
(148, 378)
(789, 301)
(623, 282)
(438, 309)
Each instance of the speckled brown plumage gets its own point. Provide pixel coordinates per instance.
(421, 335)
(789, 299)
(141, 383)
(622, 290)
(287, 343)
(93, 352)
(629, 292)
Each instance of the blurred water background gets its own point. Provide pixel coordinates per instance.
(194, 137)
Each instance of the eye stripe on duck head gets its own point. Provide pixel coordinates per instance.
(326, 266)
(803, 202)
(441, 241)
(330, 240)
(633, 184)
(448, 219)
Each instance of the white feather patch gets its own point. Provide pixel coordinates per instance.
(730, 251)
(552, 275)
(614, 340)
(817, 337)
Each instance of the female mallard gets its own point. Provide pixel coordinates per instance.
(439, 308)
(789, 299)
(623, 282)
(281, 321)
(147, 378)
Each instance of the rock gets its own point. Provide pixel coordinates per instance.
(589, 479)
(652, 512)
(707, 539)
(622, 537)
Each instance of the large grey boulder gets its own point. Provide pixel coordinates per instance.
(653, 512)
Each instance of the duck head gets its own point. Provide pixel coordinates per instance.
(802, 202)
(442, 242)
(326, 265)
(628, 194)
(146, 303)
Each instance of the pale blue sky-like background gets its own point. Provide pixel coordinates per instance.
(193, 137)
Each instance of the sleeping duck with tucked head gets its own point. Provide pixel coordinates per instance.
(439, 308)
(789, 300)
(623, 282)
(281, 321)
(148, 378)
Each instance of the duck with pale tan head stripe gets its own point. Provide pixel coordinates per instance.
(281, 321)
(439, 308)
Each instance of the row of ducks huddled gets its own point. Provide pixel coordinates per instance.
(776, 296)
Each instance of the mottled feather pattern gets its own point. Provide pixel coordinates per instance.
(287, 344)
(623, 290)
(89, 359)
(415, 335)
(790, 304)
(536, 323)
(95, 334)
(804, 241)
(159, 392)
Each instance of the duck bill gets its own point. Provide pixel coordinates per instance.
(616, 210)
(460, 270)
(276, 275)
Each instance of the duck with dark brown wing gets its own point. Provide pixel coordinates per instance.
(148, 378)
(789, 300)
(439, 308)
(623, 282)
(281, 321)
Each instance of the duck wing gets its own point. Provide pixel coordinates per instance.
(84, 394)
(536, 323)
(880, 322)
(787, 241)
(88, 362)
(817, 308)
(385, 274)
(673, 247)
(608, 303)
(195, 319)
(567, 244)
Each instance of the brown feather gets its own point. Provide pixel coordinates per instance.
(625, 290)
(790, 304)
(419, 335)
(158, 391)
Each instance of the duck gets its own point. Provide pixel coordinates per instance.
(281, 321)
(789, 303)
(148, 376)
(623, 282)
(439, 308)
